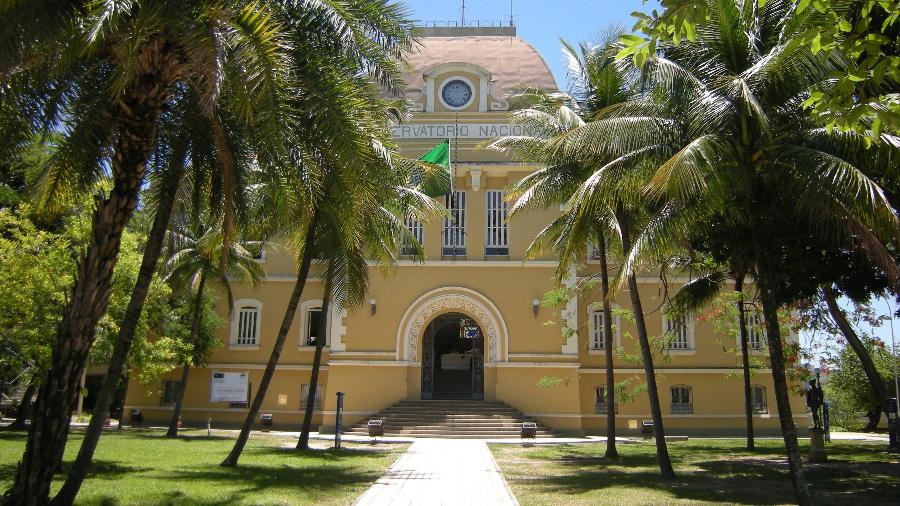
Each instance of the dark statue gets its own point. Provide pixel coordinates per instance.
(814, 400)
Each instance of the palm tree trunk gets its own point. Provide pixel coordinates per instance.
(782, 397)
(186, 370)
(662, 450)
(608, 351)
(115, 372)
(136, 114)
(24, 411)
(862, 353)
(303, 442)
(745, 360)
(232, 459)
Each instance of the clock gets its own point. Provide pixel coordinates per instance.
(456, 93)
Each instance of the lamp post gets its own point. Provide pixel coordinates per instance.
(893, 407)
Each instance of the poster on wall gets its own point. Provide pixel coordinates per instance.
(229, 387)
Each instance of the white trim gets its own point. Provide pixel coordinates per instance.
(243, 347)
(279, 367)
(328, 412)
(592, 308)
(475, 263)
(305, 307)
(429, 94)
(474, 304)
(450, 79)
(382, 363)
(491, 217)
(548, 365)
(539, 355)
(690, 335)
(362, 353)
(235, 320)
(674, 370)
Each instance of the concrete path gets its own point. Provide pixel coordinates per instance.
(445, 472)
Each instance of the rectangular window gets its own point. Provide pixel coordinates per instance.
(497, 242)
(598, 341)
(600, 401)
(248, 320)
(313, 320)
(677, 328)
(414, 225)
(455, 225)
(593, 252)
(168, 392)
(681, 400)
(304, 395)
(756, 332)
(758, 399)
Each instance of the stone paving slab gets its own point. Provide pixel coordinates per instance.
(441, 472)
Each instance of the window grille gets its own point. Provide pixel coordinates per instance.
(681, 400)
(677, 327)
(758, 399)
(755, 331)
(304, 394)
(455, 225)
(497, 231)
(600, 401)
(416, 229)
(248, 320)
(598, 341)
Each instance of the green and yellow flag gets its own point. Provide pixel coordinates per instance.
(436, 179)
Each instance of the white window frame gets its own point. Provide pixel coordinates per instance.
(593, 254)
(754, 389)
(684, 408)
(233, 341)
(597, 307)
(689, 334)
(496, 227)
(305, 308)
(416, 229)
(453, 235)
(755, 327)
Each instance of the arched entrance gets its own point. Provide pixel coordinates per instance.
(453, 358)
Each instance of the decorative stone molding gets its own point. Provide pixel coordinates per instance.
(451, 299)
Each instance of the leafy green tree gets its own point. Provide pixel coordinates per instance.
(851, 396)
(864, 33)
(735, 152)
(197, 258)
(102, 74)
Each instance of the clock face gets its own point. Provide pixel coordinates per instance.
(456, 93)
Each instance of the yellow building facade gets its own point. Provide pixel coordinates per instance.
(465, 323)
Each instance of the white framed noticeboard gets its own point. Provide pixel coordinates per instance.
(229, 386)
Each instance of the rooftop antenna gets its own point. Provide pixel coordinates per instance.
(511, 23)
(463, 15)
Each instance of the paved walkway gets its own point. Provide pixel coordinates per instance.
(445, 472)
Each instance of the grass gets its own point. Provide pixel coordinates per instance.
(709, 471)
(143, 467)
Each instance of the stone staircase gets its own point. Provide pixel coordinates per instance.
(459, 419)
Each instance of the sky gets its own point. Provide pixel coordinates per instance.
(540, 22)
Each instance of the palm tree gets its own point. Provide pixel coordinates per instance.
(103, 73)
(723, 123)
(598, 203)
(198, 258)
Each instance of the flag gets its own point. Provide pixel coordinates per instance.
(436, 178)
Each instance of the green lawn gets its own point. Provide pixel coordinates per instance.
(143, 467)
(709, 471)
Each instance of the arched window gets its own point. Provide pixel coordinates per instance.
(596, 316)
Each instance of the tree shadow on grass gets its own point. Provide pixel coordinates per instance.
(317, 454)
(744, 479)
(100, 469)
